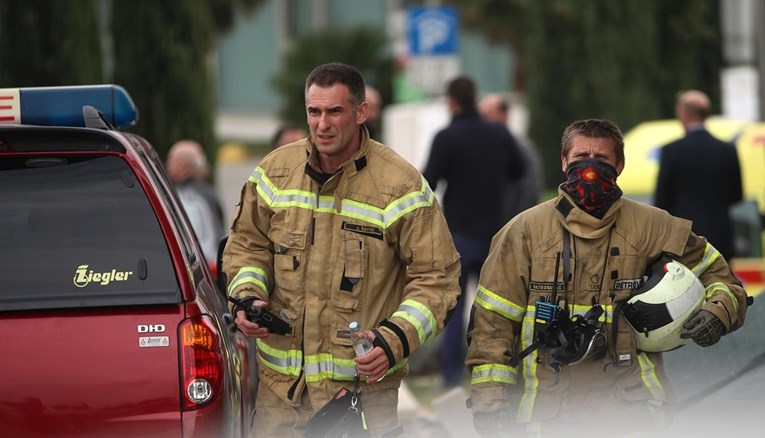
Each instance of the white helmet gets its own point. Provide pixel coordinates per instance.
(657, 310)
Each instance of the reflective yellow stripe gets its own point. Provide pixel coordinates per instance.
(323, 366)
(409, 202)
(495, 303)
(658, 416)
(714, 287)
(285, 198)
(493, 372)
(710, 255)
(580, 309)
(529, 365)
(288, 362)
(419, 316)
(528, 368)
(317, 366)
(364, 212)
(648, 375)
(249, 274)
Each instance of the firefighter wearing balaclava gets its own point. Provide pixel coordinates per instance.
(588, 248)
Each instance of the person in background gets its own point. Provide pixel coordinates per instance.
(286, 134)
(525, 192)
(188, 170)
(374, 103)
(699, 175)
(475, 158)
(590, 245)
(332, 229)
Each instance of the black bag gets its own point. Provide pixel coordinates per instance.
(341, 417)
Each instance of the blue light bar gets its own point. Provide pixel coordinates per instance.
(62, 106)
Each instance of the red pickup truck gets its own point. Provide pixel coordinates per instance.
(111, 324)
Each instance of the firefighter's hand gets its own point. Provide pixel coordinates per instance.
(373, 365)
(492, 424)
(249, 328)
(704, 328)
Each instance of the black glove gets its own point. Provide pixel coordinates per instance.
(492, 424)
(704, 327)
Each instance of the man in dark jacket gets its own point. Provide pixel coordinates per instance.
(699, 175)
(475, 158)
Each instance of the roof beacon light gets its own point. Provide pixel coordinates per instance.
(62, 106)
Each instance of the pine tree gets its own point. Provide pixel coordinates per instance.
(162, 57)
(363, 47)
(49, 43)
(623, 61)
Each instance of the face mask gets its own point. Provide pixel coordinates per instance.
(592, 184)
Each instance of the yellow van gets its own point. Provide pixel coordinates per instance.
(642, 146)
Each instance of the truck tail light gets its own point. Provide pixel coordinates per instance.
(202, 362)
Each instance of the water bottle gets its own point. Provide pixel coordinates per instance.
(361, 344)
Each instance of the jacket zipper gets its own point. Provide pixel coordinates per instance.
(313, 215)
(291, 391)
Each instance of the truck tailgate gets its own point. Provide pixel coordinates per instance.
(91, 372)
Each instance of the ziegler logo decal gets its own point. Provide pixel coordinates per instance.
(364, 229)
(84, 276)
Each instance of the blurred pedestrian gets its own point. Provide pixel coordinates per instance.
(374, 103)
(332, 229)
(475, 158)
(699, 175)
(525, 192)
(188, 170)
(569, 371)
(286, 134)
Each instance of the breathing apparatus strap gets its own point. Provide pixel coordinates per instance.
(566, 260)
(516, 359)
(562, 340)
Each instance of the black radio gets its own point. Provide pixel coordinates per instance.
(261, 316)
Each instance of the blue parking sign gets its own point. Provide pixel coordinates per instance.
(432, 30)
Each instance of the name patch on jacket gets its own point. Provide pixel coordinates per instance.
(366, 230)
(545, 286)
(628, 283)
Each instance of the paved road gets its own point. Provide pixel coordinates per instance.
(724, 384)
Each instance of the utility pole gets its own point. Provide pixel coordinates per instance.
(742, 77)
(760, 45)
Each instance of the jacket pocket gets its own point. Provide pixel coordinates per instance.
(288, 258)
(632, 387)
(625, 275)
(354, 261)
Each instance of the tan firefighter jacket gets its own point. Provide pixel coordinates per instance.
(368, 245)
(608, 258)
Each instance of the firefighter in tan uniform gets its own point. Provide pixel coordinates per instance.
(593, 247)
(331, 229)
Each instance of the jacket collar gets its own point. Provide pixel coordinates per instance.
(359, 159)
(468, 113)
(579, 222)
(695, 127)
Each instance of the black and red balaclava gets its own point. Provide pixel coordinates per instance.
(592, 184)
